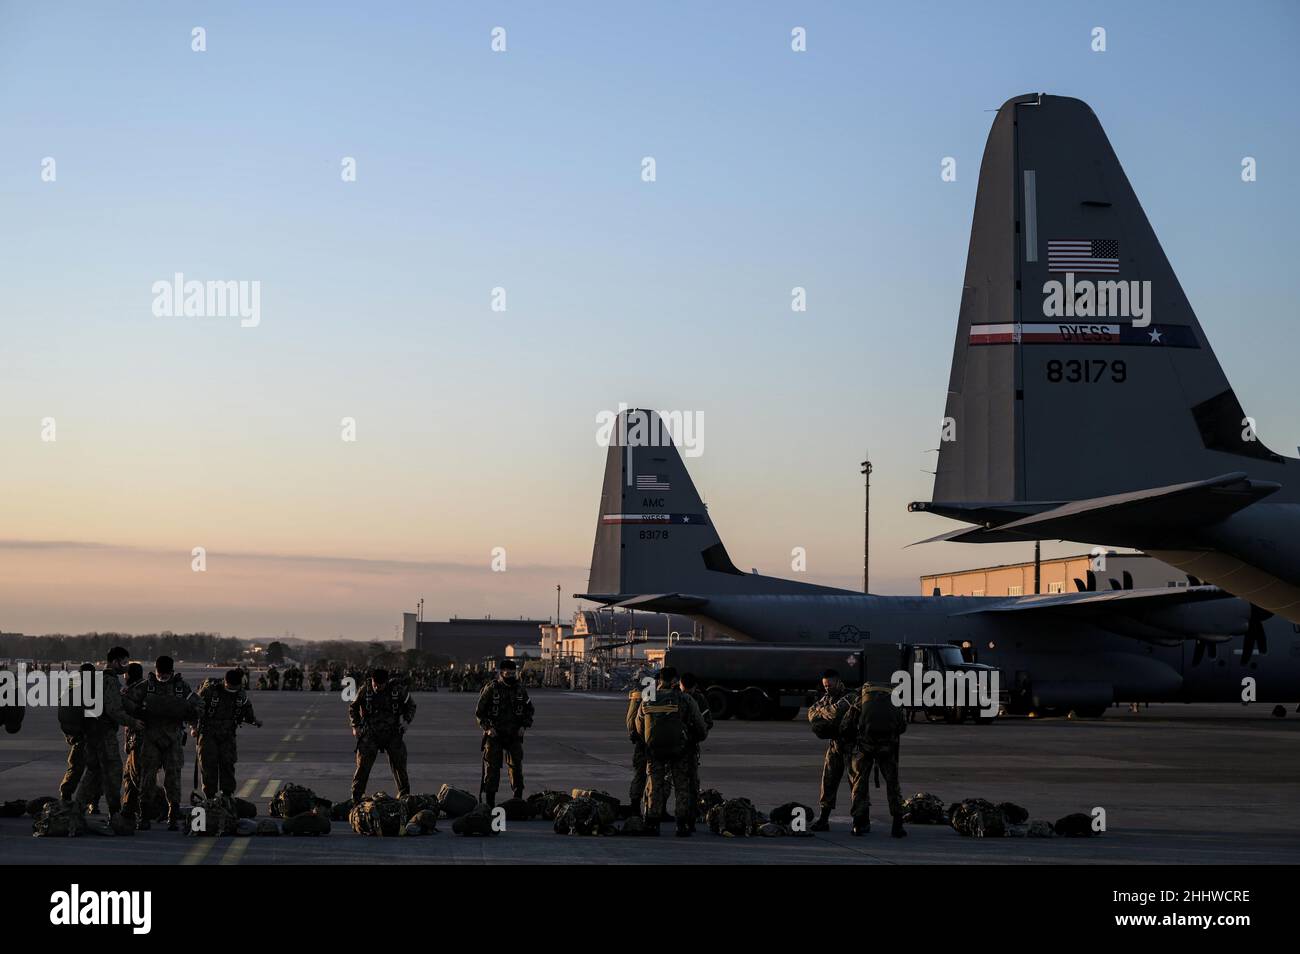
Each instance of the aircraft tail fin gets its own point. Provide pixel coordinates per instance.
(1079, 368)
(653, 532)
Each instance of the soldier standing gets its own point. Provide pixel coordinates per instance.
(504, 711)
(666, 720)
(379, 715)
(131, 773)
(828, 713)
(636, 793)
(103, 771)
(73, 721)
(223, 707)
(165, 702)
(688, 685)
(880, 723)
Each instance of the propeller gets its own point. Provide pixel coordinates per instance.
(1192, 580)
(1090, 586)
(1128, 580)
(1255, 634)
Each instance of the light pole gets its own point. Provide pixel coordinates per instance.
(866, 526)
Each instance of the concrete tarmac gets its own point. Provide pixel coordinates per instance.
(1195, 784)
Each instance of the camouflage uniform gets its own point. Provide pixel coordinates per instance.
(693, 753)
(221, 711)
(636, 794)
(665, 767)
(76, 767)
(131, 775)
(377, 715)
(881, 753)
(839, 755)
(103, 772)
(503, 707)
(159, 744)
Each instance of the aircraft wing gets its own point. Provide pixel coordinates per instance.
(1105, 601)
(1136, 518)
(1160, 615)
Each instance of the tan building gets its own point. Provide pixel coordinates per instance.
(1056, 575)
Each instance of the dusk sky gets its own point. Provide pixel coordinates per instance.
(522, 170)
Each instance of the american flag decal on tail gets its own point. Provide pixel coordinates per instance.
(652, 482)
(1083, 255)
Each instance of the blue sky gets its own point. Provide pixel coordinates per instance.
(522, 170)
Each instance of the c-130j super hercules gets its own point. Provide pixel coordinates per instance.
(1044, 414)
(1105, 428)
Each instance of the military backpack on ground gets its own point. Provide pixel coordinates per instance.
(212, 817)
(477, 821)
(979, 818)
(736, 817)
(378, 814)
(585, 816)
(924, 809)
(549, 803)
(59, 819)
(455, 802)
(72, 718)
(292, 800)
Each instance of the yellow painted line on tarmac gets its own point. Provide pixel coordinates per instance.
(200, 851)
(271, 787)
(273, 756)
(246, 789)
(235, 852)
(290, 757)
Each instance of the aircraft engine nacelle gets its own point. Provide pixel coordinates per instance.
(1226, 618)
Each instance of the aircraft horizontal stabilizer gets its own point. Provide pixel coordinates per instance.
(664, 603)
(1154, 517)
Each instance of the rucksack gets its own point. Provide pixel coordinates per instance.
(455, 802)
(548, 804)
(219, 818)
(378, 814)
(826, 715)
(878, 721)
(292, 800)
(167, 701)
(72, 717)
(478, 821)
(423, 822)
(517, 809)
(666, 733)
(585, 815)
(736, 817)
(978, 818)
(924, 809)
(59, 819)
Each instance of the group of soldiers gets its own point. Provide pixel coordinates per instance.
(157, 712)
(667, 721)
(384, 708)
(865, 736)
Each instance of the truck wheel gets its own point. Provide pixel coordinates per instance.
(753, 704)
(721, 702)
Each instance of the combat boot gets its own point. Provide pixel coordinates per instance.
(652, 829)
(862, 826)
(519, 792)
(683, 830)
(173, 825)
(142, 824)
(898, 831)
(823, 822)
